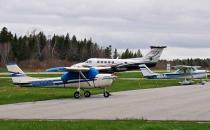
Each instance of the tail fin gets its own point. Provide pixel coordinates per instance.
(154, 54)
(18, 76)
(14, 70)
(146, 71)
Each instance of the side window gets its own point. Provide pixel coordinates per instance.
(112, 62)
(105, 62)
(97, 61)
(108, 62)
(90, 61)
(102, 62)
(126, 62)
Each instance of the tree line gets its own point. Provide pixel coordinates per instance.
(204, 63)
(39, 47)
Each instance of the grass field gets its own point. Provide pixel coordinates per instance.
(11, 94)
(129, 75)
(101, 125)
(3, 69)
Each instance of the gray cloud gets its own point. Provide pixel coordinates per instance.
(124, 24)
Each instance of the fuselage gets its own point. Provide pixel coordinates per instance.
(182, 72)
(100, 81)
(198, 74)
(117, 64)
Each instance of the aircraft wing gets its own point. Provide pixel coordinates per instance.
(185, 67)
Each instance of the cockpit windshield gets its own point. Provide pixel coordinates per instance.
(185, 70)
(88, 61)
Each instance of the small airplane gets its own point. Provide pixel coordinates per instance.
(183, 71)
(113, 65)
(75, 77)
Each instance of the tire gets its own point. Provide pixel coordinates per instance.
(106, 94)
(76, 95)
(87, 94)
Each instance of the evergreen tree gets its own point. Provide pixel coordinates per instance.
(108, 52)
(115, 54)
(139, 54)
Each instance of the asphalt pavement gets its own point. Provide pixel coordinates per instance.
(169, 103)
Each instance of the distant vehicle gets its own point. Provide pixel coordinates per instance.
(183, 71)
(75, 77)
(114, 65)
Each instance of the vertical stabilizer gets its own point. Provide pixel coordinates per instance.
(18, 76)
(154, 54)
(146, 71)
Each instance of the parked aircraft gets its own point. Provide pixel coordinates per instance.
(75, 77)
(114, 65)
(183, 71)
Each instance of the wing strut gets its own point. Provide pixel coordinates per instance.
(83, 76)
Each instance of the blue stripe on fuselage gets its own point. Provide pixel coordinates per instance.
(56, 82)
(172, 75)
(16, 74)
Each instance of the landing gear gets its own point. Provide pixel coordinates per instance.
(77, 94)
(106, 94)
(87, 94)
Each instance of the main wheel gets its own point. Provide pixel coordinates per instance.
(106, 94)
(87, 94)
(77, 95)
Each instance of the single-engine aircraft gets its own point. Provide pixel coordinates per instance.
(113, 65)
(76, 77)
(183, 71)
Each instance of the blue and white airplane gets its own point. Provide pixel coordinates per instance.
(76, 77)
(186, 72)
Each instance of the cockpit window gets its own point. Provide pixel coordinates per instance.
(184, 70)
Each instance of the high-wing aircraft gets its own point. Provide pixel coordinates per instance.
(76, 77)
(183, 71)
(113, 65)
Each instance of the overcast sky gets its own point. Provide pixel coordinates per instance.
(182, 25)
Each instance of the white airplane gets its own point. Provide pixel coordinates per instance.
(183, 71)
(75, 77)
(150, 59)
